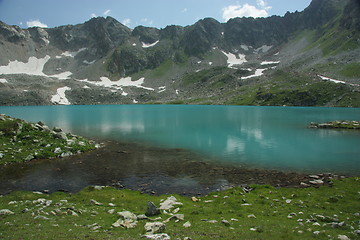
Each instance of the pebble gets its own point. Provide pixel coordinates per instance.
(6, 212)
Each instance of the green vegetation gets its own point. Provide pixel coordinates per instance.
(351, 70)
(21, 141)
(263, 213)
(297, 90)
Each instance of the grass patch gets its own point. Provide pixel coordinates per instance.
(351, 70)
(264, 213)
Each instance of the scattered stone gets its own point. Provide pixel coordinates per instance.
(92, 201)
(251, 216)
(6, 212)
(161, 236)
(169, 203)
(176, 217)
(29, 158)
(187, 224)
(343, 237)
(314, 176)
(155, 227)
(111, 211)
(41, 217)
(225, 222)
(111, 205)
(194, 199)
(57, 150)
(317, 182)
(1, 155)
(66, 154)
(152, 209)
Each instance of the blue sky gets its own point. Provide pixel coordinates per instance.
(155, 13)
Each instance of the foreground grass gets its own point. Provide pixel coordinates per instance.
(263, 213)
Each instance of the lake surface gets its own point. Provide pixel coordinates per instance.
(259, 137)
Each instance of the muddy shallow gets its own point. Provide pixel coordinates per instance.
(133, 166)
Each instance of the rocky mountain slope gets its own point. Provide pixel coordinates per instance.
(308, 58)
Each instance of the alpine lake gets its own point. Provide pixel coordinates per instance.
(187, 149)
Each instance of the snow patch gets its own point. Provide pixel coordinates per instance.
(3, 80)
(162, 89)
(60, 97)
(331, 80)
(258, 73)
(122, 82)
(146, 45)
(234, 60)
(245, 47)
(263, 49)
(337, 81)
(71, 54)
(89, 63)
(34, 66)
(270, 62)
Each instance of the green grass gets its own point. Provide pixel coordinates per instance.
(21, 141)
(351, 70)
(264, 213)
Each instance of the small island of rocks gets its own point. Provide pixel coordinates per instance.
(343, 124)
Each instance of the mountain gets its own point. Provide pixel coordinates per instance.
(308, 58)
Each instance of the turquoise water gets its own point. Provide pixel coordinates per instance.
(266, 137)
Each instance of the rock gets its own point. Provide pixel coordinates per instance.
(194, 199)
(343, 237)
(152, 209)
(225, 222)
(29, 158)
(169, 203)
(66, 154)
(251, 216)
(155, 227)
(60, 135)
(57, 150)
(162, 236)
(314, 176)
(127, 215)
(128, 223)
(1, 155)
(58, 130)
(95, 202)
(176, 217)
(6, 212)
(317, 182)
(187, 224)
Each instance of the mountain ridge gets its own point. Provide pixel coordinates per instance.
(102, 61)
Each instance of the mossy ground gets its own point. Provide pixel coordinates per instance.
(263, 213)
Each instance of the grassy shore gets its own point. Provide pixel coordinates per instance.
(262, 212)
(21, 141)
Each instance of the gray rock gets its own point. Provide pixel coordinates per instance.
(29, 158)
(1, 155)
(56, 129)
(152, 209)
(155, 227)
(60, 135)
(187, 224)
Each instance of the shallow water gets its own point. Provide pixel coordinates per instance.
(261, 137)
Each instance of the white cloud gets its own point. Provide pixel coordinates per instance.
(147, 21)
(36, 23)
(126, 22)
(107, 12)
(184, 10)
(93, 15)
(246, 10)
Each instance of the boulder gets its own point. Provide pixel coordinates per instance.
(152, 209)
(155, 227)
